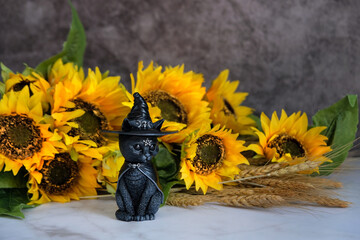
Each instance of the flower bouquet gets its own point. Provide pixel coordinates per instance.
(53, 146)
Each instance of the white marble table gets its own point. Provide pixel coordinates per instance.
(95, 219)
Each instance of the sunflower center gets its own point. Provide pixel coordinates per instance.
(90, 123)
(20, 135)
(228, 109)
(210, 154)
(171, 108)
(285, 144)
(20, 138)
(59, 174)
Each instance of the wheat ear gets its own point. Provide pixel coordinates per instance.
(327, 201)
(293, 196)
(261, 200)
(247, 171)
(185, 200)
(304, 166)
(285, 184)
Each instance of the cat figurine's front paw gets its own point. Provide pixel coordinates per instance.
(123, 216)
(150, 216)
(139, 218)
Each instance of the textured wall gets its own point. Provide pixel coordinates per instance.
(297, 55)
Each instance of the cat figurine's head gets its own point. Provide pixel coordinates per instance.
(138, 149)
(138, 138)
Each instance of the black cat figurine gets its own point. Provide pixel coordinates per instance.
(138, 195)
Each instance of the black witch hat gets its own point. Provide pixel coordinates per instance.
(138, 121)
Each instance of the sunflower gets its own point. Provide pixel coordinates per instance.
(33, 81)
(225, 105)
(177, 94)
(288, 139)
(24, 139)
(82, 108)
(62, 179)
(209, 157)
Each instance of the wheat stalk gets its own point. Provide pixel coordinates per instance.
(317, 182)
(293, 196)
(304, 166)
(185, 200)
(325, 183)
(257, 197)
(261, 200)
(285, 184)
(231, 191)
(326, 201)
(248, 170)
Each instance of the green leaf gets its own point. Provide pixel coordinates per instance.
(76, 41)
(166, 189)
(2, 89)
(28, 70)
(257, 121)
(12, 201)
(5, 71)
(341, 120)
(73, 49)
(165, 163)
(74, 154)
(105, 74)
(167, 168)
(110, 189)
(8, 180)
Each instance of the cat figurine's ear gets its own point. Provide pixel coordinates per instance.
(157, 125)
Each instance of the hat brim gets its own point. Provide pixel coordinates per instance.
(149, 133)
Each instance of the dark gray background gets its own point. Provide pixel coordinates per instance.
(297, 55)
